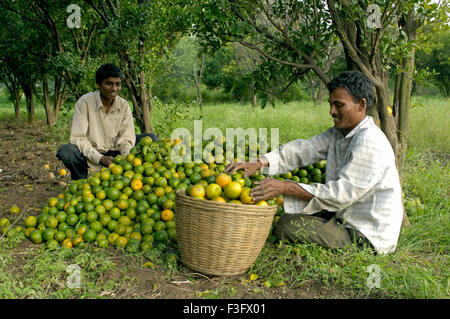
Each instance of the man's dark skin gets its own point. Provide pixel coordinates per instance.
(109, 90)
(346, 113)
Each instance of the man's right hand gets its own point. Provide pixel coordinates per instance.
(106, 160)
(249, 168)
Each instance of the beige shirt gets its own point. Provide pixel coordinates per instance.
(362, 182)
(94, 131)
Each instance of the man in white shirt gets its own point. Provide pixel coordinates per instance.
(102, 126)
(360, 200)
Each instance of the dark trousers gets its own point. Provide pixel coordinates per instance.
(322, 228)
(76, 162)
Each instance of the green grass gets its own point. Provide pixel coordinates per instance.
(418, 269)
(293, 120)
(430, 124)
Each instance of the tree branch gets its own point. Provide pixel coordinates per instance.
(350, 49)
(104, 18)
(113, 8)
(254, 47)
(86, 49)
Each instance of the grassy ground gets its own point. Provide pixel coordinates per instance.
(418, 269)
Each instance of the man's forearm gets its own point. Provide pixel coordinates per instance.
(293, 189)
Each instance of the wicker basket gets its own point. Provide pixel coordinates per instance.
(220, 239)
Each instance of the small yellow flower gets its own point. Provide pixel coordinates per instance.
(253, 276)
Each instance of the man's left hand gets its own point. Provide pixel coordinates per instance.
(106, 160)
(268, 188)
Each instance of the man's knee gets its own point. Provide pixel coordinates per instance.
(283, 229)
(68, 153)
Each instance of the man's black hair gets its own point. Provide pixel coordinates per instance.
(357, 84)
(108, 70)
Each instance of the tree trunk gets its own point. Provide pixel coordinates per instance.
(144, 104)
(47, 103)
(13, 86)
(312, 83)
(141, 111)
(28, 91)
(198, 80)
(252, 93)
(17, 97)
(59, 96)
(320, 92)
(404, 91)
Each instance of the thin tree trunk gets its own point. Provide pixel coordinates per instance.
(17, 97)
(47, 103)
(405, 91)
(312, 82)
(252, 93)
(198, 80)
(13, 86)
(28, 91)
(320, 92)
(144, 104)
(60, 95)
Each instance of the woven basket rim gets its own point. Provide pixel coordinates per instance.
(220, 205)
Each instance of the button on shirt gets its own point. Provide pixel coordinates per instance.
(94, 131)
(362, 182)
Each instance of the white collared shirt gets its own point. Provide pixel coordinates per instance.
(94, 131)
(362, 182)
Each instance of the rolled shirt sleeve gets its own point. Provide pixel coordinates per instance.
(298, 153)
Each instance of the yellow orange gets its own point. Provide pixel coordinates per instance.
(136, 184)
(262, 203)
(167, 215)
(233, 190)
(137, 161)
(245, 196)
(66, 243)
(197, 190)
(223, 179)
(219, 199)
(213, 190)
(117, 170)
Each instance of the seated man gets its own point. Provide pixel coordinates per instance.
(361, 199)
(102, 126)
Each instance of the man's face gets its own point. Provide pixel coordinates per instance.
(110, 87)
(345, 112)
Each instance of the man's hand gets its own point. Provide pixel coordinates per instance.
(106, 160)
(269, 188)
(249, 168)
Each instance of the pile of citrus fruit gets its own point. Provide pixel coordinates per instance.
(131, 203)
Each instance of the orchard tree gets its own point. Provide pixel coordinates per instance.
(63, 49)
(19, 65)
(140, 33)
